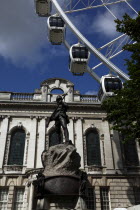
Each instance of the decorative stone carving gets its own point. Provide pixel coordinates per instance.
(13, 168)
(7, 149)
(85, 150)
(27, 145)
(94, 168)
(57, 83)
(19, 125)
(92, 125)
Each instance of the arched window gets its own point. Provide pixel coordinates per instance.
(53, 138)
(17, 144)
(130, 153)
(93, 148)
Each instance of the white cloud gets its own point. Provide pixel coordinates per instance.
(104, 21)
(91, 92)
(22, 32)
(104, 24)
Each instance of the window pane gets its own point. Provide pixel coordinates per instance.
(3, 199)
(105, 202)
(130, 153)
(17, 145)
(93, 148)
(90, 199)
(18, 199)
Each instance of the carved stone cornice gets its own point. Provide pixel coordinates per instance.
(34, 171)
(49, 105)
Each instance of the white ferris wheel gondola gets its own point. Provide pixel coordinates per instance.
(80, 53)
(78, 59)
(56, 30)
(109, 84)
(43, 7)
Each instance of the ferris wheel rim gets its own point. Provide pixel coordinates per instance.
(97, 53)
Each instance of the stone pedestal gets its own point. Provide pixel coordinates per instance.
(61, 203)
(61, 185)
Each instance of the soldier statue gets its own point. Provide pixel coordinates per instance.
(61, 118)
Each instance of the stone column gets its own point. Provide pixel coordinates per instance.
(32, 144)
(79, 140)
(71, 130)
(49, 97)
(41, 142)
(4, 130)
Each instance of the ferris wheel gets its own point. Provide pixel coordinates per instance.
(58, 13)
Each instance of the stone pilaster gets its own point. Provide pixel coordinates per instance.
(44, 91)
(3, 136)
(10, 197)
(25, 204)
(41, 142)
(71, 130)
(32, 144)
(117, 151)
(107, 146)
(97, 198)
(79, 140)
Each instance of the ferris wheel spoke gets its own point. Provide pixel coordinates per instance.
(112, 56)
(131, 7)
(93, 74)
(114, 40)
(98, 65)
(92, 49)
(113, 13)
(122, 43)
(114, 47)
(74, 8)
(109, 10)
(67, 45)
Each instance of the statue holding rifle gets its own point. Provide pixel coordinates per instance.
(61, 118)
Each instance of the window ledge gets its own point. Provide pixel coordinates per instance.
(137, 167)
(95, 168)
(8, 169)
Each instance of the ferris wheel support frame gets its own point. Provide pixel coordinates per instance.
(98, 54)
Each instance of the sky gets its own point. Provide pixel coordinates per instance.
(27, 58)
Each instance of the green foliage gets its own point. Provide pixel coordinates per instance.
(123, 110)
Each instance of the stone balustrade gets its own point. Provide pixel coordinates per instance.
(89, 98)
(22, 96)
(11, 96)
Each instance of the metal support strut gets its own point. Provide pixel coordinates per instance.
(98, 54)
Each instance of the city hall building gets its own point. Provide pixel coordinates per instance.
(113, 167)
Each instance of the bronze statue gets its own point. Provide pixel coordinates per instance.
(61, 118)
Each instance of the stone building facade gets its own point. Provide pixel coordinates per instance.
(112, 167)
